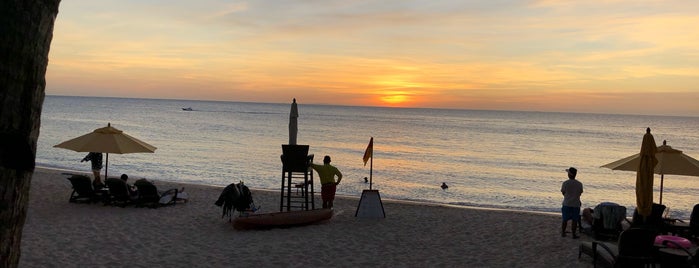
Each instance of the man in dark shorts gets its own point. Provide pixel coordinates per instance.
(327, 174)
(571, 189)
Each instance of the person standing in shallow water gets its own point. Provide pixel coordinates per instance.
(571, 189)
(96, 160)
(327, 174)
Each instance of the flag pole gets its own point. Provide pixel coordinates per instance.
(369, 155)
(371, 169)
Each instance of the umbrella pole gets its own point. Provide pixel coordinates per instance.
(106, 168)
(371, 170)
(661, 187)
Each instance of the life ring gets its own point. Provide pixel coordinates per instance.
(683, 242)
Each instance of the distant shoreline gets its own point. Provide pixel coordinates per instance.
(384, 107)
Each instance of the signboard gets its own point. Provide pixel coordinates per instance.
(370, 205)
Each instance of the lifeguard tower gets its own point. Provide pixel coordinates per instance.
(297, 179)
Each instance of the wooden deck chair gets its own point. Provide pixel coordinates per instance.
(634, 249)
(655, 221)
(689, 230)
(82, 190)
(607, 223)
(118, 193)
(148, 195)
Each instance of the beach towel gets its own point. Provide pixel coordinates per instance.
(611, 214)
(236, 196)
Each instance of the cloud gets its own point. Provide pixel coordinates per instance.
(496, 54)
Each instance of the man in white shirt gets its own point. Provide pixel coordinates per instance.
(571, 189)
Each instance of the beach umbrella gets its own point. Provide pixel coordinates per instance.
(670, 161)
(107, 140)
(293, 123)
(644, 175)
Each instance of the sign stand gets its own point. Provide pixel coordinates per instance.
(370, 205)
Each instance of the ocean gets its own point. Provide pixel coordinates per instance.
(493, 159)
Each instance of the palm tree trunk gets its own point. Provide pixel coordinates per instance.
(26, 30)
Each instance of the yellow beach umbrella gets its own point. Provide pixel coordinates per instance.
(644, 175)
(670, 161)
(107, 140)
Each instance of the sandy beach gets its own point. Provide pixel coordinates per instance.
(62, 234)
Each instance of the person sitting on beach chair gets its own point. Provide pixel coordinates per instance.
(118, 193)
(133, 192)
(587, 221)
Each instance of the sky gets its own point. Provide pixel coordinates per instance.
(626, 57)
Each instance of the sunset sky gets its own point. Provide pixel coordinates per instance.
(630, 57)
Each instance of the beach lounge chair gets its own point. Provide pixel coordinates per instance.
(689, 230)
(148, 195)
(82, 190)
(118, 194)
(634, 249)
(655, 221)
(608, 218)
(693, 232)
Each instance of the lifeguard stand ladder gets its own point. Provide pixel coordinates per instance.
(297, 181)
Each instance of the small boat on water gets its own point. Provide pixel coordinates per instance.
(187, 109)
(281, 219)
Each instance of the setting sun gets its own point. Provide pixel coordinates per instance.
(394, 99)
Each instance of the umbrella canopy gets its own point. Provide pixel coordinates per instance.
(293, 123)
(107, 140)
(670, 161)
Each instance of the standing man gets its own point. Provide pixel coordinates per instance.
(96, 160)
(571, 189)
(327, 173)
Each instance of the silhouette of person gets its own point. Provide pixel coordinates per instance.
(327, 174)
(571, 190)
(96, 159)
(132, 189)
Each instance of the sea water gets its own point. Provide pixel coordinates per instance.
(496, 159)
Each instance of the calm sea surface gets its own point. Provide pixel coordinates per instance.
(496, 159)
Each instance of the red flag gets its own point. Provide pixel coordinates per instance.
(369, 152)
